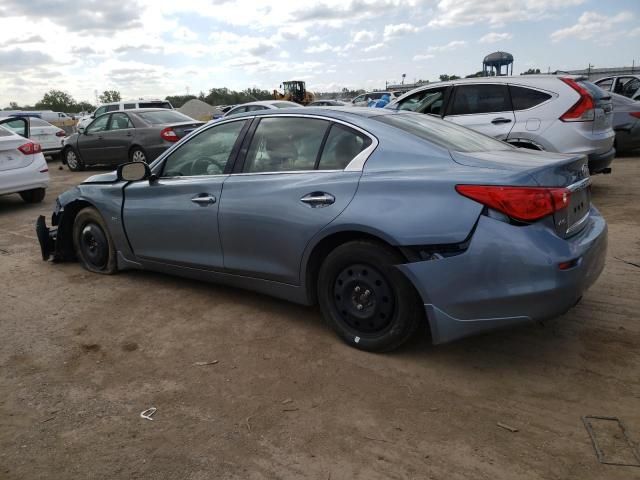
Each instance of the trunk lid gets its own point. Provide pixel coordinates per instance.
(183, 129)
(547, 170)
(10, 157)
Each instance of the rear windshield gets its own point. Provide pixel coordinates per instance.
(162, 117)
(285, 104)
(442, 133)
(154, 105)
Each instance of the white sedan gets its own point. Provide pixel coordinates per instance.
(48, 136)
(23, 168)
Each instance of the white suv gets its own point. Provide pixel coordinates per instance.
(561, 114)
(125, 105)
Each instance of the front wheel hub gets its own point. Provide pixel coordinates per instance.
(363, 298)
(94, 245)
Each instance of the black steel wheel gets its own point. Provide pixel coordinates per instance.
(365, 299)
(93, 245)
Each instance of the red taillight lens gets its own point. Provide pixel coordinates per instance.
(30, 148)
(583, 109)
(635, 114)
(61, 133)
(520, 203)
(169, 135)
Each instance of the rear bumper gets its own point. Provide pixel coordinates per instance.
(508, 276)
(599, 162)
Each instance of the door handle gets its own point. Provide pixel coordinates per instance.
(318, 199)
(204, 199)
(498, 120)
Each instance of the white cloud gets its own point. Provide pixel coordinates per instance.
(452, 13)
(363, 36)
(494, 37)
(453, 45)
(375, 46)
(399, 30)
(419, 58)
(590, 25)
(184, 33)
(323, 47)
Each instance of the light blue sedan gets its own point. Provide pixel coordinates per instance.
(390, 221)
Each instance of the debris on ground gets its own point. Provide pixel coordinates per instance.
(202, 364)
(148, 413)
(507, 427)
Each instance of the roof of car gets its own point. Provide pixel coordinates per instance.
(263, 102)
(341, 113)
(143, 110)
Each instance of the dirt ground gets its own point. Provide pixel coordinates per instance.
(82, 355)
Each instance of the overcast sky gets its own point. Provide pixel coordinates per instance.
(154, 48)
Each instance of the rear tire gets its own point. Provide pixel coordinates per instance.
(367, 301)
(137, 155)
(92, 243)
(73, 161)
(33, 196)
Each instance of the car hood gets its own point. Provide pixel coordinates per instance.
(109, 177)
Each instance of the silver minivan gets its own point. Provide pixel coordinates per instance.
(561, 114)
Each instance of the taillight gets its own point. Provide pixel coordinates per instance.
(583, 109)
(520, 203)
(30, 148)
(169, 135)
(635, 114)
(61, 133)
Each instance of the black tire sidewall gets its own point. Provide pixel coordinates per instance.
(84, 216)
(80, 165)
(407, 310)
(33, 196)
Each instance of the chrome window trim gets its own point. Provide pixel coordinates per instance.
(355, 165)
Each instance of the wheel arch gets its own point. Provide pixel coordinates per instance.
(321, 248)
(135, 146)
(64, 238)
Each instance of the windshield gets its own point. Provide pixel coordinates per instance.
(285, 104)
(442, 133)
(162, 117)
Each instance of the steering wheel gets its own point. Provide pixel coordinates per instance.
(201, 166)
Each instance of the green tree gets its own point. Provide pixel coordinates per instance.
(531, 71)
(84, 107)
(179, 100)
(445, 77)
(479, 73)
(109, 96)
(58, 101)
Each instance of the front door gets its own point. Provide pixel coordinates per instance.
(91, 141)
(174, 219)
(288, 189)
(483, 107)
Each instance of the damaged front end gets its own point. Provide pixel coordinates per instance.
(47, 238)
(52, 246)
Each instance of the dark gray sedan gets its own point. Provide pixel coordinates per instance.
(139, 135)
(626, 123)
(390, 221)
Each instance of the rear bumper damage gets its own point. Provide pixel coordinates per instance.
(508, 276)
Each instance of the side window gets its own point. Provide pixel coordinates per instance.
(631, 87)
(206, 153)
(129, 106)
(120, 121)
(100, 111)
(99, 124)
(255, 108)
(285, 144)
(17, 125)
(359, 98)
(524, 98)
(342, 145)
(427, 101)
(605, 84)
(113, 108)
(233, 111)
(481, 98)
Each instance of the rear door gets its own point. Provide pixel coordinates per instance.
(174, 220)
(484, 107)
(91, 141)
(118, 137)
(286, 190)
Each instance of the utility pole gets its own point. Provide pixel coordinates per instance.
(403, 76)
(589, 70)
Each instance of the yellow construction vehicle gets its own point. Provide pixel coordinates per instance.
(294, 91)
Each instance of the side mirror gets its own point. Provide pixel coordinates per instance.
(133, 171)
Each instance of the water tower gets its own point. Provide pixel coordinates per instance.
(493, 63)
